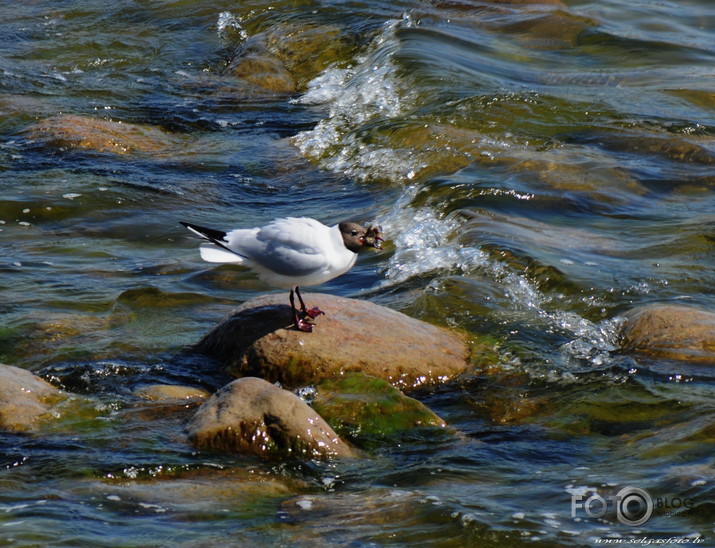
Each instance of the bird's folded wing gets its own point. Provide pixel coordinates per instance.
(289, 247)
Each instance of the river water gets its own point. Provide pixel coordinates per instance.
(539, 170)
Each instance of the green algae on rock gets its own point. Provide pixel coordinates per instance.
(358, 405)
(184, 491)
(153, 297)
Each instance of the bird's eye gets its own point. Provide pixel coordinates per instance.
(354, 233)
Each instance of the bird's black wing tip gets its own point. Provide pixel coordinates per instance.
(216, 236)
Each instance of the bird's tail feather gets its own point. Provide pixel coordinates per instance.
(217, 251)
(206, 233)
(214, 254)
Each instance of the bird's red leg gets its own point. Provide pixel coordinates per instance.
(313, 312)
(300, 324)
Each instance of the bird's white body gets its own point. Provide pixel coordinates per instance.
(289, 252)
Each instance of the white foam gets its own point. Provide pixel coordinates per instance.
(580, 490)
(226, 22)
(426, 243)
(326, 87)
(593, 342)
(304, 504)
(368, 91)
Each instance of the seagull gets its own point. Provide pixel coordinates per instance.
(290, 252)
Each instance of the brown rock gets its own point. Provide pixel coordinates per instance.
(550, 29)
(169, 393)
(251, 415)
(671, 331)
(261, 68)
(25, 399)
(286, 56)
(306, 50)
(258, 339)
(183, 490)
(70, 131)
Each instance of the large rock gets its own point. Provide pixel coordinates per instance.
(258, 339)
(251, 415)
(670, 331)
(25, 399)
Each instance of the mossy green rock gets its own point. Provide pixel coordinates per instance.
(356, 405)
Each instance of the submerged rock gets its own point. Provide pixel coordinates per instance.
(358, 405)
(694, 150)
(307, 49)
(190, 491)
(285, 57)
(261, 68)
(347, 518)
(153, 297)
(253, 416)
(171, 394)
(25, 399)
(83, 132)
(257, 339)
(670, 331)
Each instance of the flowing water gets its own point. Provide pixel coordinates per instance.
(539, 169)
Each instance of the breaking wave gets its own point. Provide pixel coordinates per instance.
(365, 93)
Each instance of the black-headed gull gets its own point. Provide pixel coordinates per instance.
(291, 252)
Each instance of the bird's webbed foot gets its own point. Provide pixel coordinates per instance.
(313, 312)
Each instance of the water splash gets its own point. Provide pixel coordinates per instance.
(228, 25)
(368, 97)
(426, 243)
(355, 96)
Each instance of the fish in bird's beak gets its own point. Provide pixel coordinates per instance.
(373, 237)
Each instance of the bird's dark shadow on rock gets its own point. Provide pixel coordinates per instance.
(234, 336)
